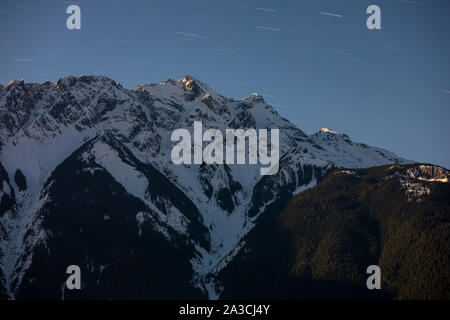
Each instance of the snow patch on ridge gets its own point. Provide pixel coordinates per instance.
(36, 159)
(136, 183)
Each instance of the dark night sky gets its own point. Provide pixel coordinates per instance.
(315, 61)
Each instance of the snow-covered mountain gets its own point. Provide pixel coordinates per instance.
(87, 179)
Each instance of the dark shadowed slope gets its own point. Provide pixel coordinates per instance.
(321, 243)
(93, 222)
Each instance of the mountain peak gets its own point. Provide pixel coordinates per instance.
(326, 134)
(326, 130)
(187, 78)
(190, 84)
(255, 97)
(190, 81)
(17, 81)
